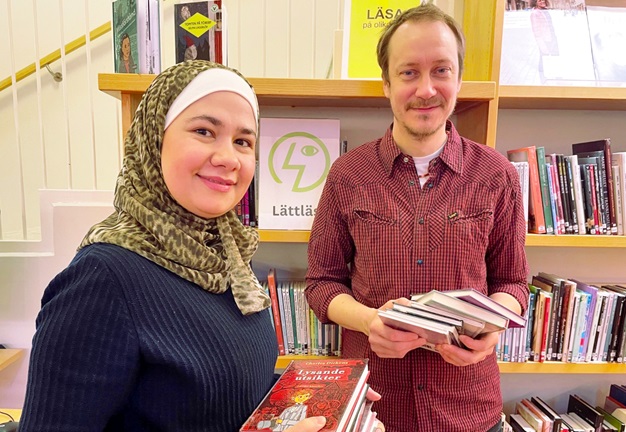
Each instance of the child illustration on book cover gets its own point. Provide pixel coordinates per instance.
(291, 415)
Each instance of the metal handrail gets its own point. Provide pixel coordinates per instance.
(56, 55)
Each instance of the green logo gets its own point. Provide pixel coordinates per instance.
(304, 154)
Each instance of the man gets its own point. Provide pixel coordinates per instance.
(420, 208)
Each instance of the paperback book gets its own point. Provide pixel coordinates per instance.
(136, 36)
(200, 31)
(334, 389)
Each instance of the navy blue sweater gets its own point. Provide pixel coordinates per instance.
(123, 344)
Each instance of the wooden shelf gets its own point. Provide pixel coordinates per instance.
(562, 368)
(564, 98)
(284, 236)
(283, 361)
(590, 241)
(510, 368)
(306, 92)
(8, 356)
(578, 241)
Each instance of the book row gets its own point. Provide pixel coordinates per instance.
(298, 331)
(582, 193)
(534, 414)
(569, 321)
(199, 29)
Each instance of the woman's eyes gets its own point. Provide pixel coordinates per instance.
(204, 132)
(244, 142)
(239, 141)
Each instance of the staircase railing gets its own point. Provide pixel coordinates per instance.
(56, 55)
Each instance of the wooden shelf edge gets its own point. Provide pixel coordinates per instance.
(578, 241)
(562, 97)
(8, 356)
(508, 367)
(561, 368)
(284, 360)
(303, 91)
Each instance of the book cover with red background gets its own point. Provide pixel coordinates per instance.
(332, 387)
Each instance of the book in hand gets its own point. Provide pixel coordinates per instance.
(464, 325)
(334, 389)
(446, 301)
(435, 332)
(479, 299)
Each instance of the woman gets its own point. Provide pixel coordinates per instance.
(158, 323)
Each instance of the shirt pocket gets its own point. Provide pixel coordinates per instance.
(375, 226)
(465, 221)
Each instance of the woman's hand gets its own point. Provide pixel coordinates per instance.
(314, 424)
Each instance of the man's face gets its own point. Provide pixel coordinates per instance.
(423, 78)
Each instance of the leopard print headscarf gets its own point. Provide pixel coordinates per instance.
(213, 253)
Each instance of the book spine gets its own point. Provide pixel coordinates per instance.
(569, 177)
(556, 191)
(553, 212)
(271, 284)
(564, 188)
(545, 189)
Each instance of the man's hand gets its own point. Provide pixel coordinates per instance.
(477, 349)
(388, 342)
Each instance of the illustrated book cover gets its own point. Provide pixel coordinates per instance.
(199, 28)
(136, 36)
(309, 388)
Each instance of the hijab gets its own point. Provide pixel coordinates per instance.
(213, 253)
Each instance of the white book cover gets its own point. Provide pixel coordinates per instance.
(295, 156)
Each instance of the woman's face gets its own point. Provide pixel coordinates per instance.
(125, 48)
(208, 154)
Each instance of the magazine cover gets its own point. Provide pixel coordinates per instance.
(309, 388)
(199, 31)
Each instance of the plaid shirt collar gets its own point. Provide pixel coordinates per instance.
(451, 156)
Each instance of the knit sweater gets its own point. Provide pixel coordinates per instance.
(123, 344)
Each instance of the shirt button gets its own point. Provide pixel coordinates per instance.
(420, 387)
(430, 185)
(420, 261)
(411, 183)
(406, 159)
(421, 221)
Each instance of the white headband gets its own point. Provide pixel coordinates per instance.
(207, 82)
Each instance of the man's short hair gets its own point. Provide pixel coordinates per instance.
(425, 12)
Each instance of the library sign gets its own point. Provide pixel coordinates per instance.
(294, 158)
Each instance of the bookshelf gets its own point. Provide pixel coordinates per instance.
(8, 356)
(475, 97)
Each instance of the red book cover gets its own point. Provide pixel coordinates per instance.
(278, 326)
(310, 388)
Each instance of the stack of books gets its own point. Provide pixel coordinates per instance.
(335, 389)
(440, 317)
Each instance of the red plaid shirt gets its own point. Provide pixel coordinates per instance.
(378, 235)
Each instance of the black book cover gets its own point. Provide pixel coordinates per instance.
(577, 405)
(602, 149)
(547, 410)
